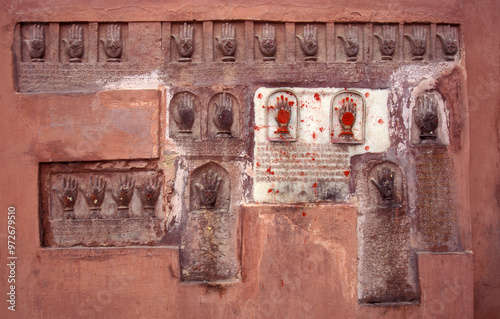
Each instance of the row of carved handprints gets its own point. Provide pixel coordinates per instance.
(113, 43)
(96, 190)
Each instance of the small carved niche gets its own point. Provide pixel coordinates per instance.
(223, 116)
(417, 42)
(269, 42)
(349, 42)
(429, 119)
(348, 117)
(113, 42)
(282, 116)
(73, 42)
(184, 119)
(310, 41)
(186, 42)
(385, 42)
(385, 185)
(229, 41)
(35, 40)
(210, 187)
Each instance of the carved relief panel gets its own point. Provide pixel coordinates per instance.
(282, 116)
(350, 42)
(348, 117)
(429, 119)
(185, 116)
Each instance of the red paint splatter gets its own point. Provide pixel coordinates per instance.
(367, 148)
(316, 96)
(257, 128)
(277, 192)
(321, 129)
(258, 164)
(315, 185)
(269, 171)
(259, 96)
(367, 94)
(346, 173)
(291, 103)
(314, 134)
(304, 214)
(270, 190)
(381, 121)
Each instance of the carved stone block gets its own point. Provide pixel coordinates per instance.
(270, 44)
(35, 42)
(417, 43)
(209, 244)
(385, 42)
(348, 117)
(84, 206)
(229, 41)
(73, 45)
(186, 44)
(113, 42)
(185, 116)
(349, 42)
(310, 42)
(223, 116)
(387, 263)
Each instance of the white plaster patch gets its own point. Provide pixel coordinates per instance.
(312, 167)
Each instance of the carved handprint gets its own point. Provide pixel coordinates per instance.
(283, 112)
(223, 115)
(347, 116)
(227, 42)
(385, 183)
(94, 195)
(74, 43)
(309, 42)
(124, 195)
(113, 43)
(418, 42)
(68, 196)
(449, 40)
(268, 43)
(351, 42)
(36, 45)
(208, 189)
(426, 117)
(185, 44)
(387, 42)
(185, 111)
(149, 193)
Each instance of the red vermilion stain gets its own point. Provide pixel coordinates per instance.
(314, 134)
(269, 171)
(277, 192)
(321, 129)
(301, 173)
(283, 116)
(304, 214)
(367, 94)
(259, 96)
(270, 190)
(367, 148)
(281, 282)
(315, 185)
(258, 164)
(346, 173)
(381, 121)
(316, 96)
(348, 118)
(291, 103)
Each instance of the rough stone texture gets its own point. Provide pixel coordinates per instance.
(125, 282)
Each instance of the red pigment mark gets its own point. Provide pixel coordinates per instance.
(301, 173)
(277, 192)
(316, 96)
(381, 121)
(281, 282)
(259, 96)
(304, 214)
(348, 119)
(263, 106)
(283, 116)
(269, 171)
(315, 185)
(314, 134)
(367, 148)
(291, 103)
(270, 190)
(346, 173)
(257, 128)
(302, 120)
(367, 94)
(345, 89)
(313, 158)
(258, 164)
(321, 129)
